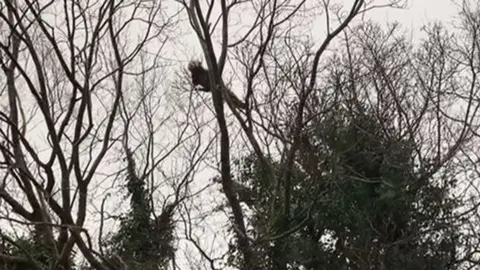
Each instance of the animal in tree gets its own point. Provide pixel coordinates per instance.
(201, 82)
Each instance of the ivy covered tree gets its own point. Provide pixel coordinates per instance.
(25, 253)
(142, 241)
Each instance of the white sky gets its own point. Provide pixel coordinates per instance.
(420, 12)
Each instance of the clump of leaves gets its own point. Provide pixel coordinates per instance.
(142, 241)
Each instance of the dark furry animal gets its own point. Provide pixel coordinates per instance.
(199, 76)
(201, 82)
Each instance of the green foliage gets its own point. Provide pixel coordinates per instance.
(32, 252)
(142, 242)
(360, 202)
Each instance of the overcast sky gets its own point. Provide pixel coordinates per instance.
(419, 12)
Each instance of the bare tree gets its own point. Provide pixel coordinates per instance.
(68, 69)
(83, 105)
(272, 22)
